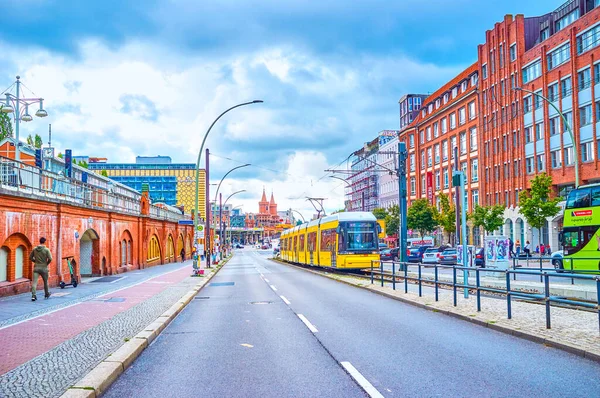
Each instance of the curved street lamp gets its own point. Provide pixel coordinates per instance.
(221, 217)
(12, 105)
(296, 211)
(198, 166)
(341, 179)
(226, 174)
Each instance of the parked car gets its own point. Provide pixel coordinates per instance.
(448, 257)
(383, 246)
(385, 255)
(557, 260)
(432, 255)
(480, 257)
(415, 255)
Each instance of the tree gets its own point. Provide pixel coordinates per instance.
(490, 218)
(422, 217)
(447, 217)
(538, 203)
(6, 130)
(380, 213)
(83, 164)
(37, 141)
(60, 155)
(392, 220)
(104, 173)
(29, 140)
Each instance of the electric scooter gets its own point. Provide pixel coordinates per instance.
(73, 283)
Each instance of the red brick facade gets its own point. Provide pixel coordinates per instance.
(119, 242)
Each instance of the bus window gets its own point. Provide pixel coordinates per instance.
(595, 196)
(570, 240)
(579, 198)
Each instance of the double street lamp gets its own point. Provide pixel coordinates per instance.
(221, 217)
(566, 123)
(13, 105)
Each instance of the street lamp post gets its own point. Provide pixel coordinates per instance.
(296, 211)
(198, 172)
(221, 217)
(226, 174)
(12, 105)
(566, 123)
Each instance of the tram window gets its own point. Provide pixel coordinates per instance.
(595, 196)
(579, 198)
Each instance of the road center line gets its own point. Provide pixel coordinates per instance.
(266, 280)
(273, 287)
(309, 325)
(360, 379)
(285, 300)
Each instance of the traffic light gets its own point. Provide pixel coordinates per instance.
(38, 158)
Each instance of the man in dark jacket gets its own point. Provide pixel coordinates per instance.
(40, 257)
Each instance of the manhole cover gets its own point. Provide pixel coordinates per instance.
(261, 302)
(201, 298)
(107, 279)
(222, 284)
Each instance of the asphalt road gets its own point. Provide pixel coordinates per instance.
(222, 345)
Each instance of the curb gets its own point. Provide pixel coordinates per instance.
(499, 328)
(101, 377)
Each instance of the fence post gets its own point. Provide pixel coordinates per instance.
(547, 299)
(405, 266)
(541, 270)
(508, 303)
(372, 271)
(393, 275)
(515, 261)
(436, 281)
(478, 291)
(454, 283)
(381, 269)
(420, 285)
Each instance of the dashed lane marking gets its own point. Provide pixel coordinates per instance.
(273, 287)
(360, 379)
(309, 325)
(285, 300)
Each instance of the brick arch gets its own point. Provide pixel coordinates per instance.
(15, 243)
(180, 245)
(126, 249)
(169, 253)
(154, 253)
(4, 258)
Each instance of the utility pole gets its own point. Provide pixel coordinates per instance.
(456, 195)
(401, 173)
(220, 225)
(208, 210)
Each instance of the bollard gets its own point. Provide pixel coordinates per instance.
(436, 282)
(547, 294)
(454, 283)
(478, 291)
(420, 285)
(381, 269)
(393, 275)
(371, 272)
(405, 265)
(508, 303)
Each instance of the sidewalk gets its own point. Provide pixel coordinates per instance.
(44, 355)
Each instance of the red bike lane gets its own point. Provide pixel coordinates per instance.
(26, 340)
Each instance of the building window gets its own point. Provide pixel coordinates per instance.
(472, 111)
(528, 134)
(554, 125)
(445, 178)
(527, 104)
(462, 116)
(421, 137)
(566, 20)
(463, 143)
(428, 129)
(422, 159)
(585, 115)
(473, 138)
(568, 156)
(437, 180)
(474, 170)
(588, 40)
(555, 159)
(454, 92)
(516, 168)
(540, 162)
(411, 140)
(452, 121)
(537, 100)
(412, 162)
(529, 165)
(484, 74)
(501, 55)
(413, 186)
(435, 130)
(566, 87)
(584, 79)
(597, 73)
(559, 56)
(437, 153)
(553, 92)
(464, 86)
(532, 72)
(452, 143)
(587, 153)
(444, 150)
(492, 62)
(423, 184)
(444, 125)
(539, 131)
(513, 53)
(474, 79)
(429, 156)
(544, 34)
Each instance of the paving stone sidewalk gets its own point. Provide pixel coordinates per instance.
(41, 358)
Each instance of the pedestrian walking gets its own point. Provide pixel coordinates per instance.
(182, 254)
(548, 250)
(40, 257)
(511, 246)
(542, 249)
(527, 249)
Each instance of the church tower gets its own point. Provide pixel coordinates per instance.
(272, 206)
(263, 205)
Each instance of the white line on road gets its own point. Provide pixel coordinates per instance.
(266, 280)
(273, 287)
(285, 300)
(360, 379)
(307, 323)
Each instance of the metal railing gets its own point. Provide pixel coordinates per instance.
(508, 292)
(18, 177)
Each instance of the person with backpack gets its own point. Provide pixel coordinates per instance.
(40, 257)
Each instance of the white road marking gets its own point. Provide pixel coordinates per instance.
(273, 287)
(266, 280)
(309, 325)
(360, 379)
(285, 300)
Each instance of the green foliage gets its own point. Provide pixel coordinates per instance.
(6, 129)
(447, 216)
(35, 142)
(83, 164)
(421, 216)
(490, 218)
(104, 173)
(392, 220)
(538, 203)
(60, 155)
(380, 213)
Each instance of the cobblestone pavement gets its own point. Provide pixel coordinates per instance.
(575, 328)
(61, 355)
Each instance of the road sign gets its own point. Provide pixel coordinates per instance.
(186, 222)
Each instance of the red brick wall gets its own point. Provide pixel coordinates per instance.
(24, 220)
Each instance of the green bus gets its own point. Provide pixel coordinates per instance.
(581, 229)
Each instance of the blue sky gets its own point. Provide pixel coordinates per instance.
(125, 78)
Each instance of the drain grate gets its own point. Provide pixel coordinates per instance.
(261, 302)
(222, 284)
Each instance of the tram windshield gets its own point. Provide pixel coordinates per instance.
(358, 236)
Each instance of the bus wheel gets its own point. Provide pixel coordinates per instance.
(558, 265)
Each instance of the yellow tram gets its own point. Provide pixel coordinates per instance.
(346, 240)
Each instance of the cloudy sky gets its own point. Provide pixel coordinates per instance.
(123, 78)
